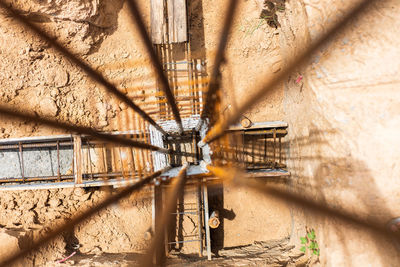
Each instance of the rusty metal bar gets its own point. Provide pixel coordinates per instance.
(219, 59)
(274, 136)
(280, 150)
(158, 241)
(77, 159)
(90, 160)
(70, 224)
(288, 195)
(82, 130)
(121, 162)
(22, 161)
(95, 75)
(155, 61)
(35, 145)
(223, 124)
(58, 161)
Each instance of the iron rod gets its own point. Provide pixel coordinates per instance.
(165, 220)
(70, 224)
(95, 75)
(81, 130)
(223, 124)
(155, 61)
(219, 59)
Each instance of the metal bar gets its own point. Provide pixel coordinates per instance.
(185, 241)
(206, 218)
(95, 75)
(183, 213)
(90, 160)
(223, 124)
(280, 150)
(77, 159)
(70, 224)
(219, 59)
(82, 130)
(58, 161)
(22, 161)
(199, 218)
(38, 145)
(155, 61)
(274, 136)
(170, 205)
(289, 195)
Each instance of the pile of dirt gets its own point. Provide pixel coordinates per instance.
(26, 215)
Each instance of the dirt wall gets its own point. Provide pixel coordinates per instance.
(344, 127)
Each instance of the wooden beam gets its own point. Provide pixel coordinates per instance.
(158, 22)
(77, 159)
(177, 21)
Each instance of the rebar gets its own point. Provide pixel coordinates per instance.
(155, 61)
(95, 75)
(221, 126)
(70, 224)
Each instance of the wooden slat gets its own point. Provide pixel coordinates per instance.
(177, 21)
(158, 21)
(77, 159)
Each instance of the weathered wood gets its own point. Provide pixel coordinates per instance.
(158, 22)
(177, 21)
(77, 159)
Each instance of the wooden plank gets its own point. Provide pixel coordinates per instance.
(260, 125)
(77, 159)
(158, 21)
(177, 21)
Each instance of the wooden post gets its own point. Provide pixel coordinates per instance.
(158, 22)
(77, 159)
(177, 21)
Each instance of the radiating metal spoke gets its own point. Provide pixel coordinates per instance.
(96, 76)
(82, 130)
(221, 126)
(279, 192)
(214, 84)
(173, 194)
(70, 224)
(155, 61)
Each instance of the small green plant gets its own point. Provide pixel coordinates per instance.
(250, 26)
(309, 241)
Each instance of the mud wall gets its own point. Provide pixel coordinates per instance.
(344, 127)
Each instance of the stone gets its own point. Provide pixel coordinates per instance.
(8, 243)
(48, 107)
(57, 77)
(55, 202)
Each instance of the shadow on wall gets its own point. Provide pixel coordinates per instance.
(216, 203)
(343, 183)
(81, 26)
